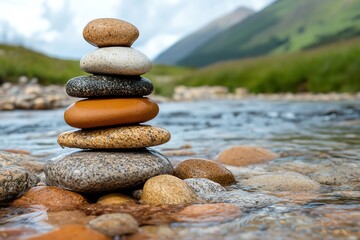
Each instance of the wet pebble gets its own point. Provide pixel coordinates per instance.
(203, 168)
(167, 189)
(282, 181)
(202, 186)
(30, 163)
(241, 198)
(245, 155)
(53, 198)
(114, 224)
(15, 181)
(114, 198)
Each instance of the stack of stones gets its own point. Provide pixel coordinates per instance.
(114, 142)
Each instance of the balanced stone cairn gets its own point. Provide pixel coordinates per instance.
(109, 118)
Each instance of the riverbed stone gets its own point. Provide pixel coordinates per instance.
(53, 198)
(241, 198)
(97, 171)
(108, 86)
(28, 162)
(15, 181)
(167, 189)
(116, 61)
(104, 32)
(114, 224)
(245, 155)
(72, 232)
(203, 186)
(203, 168)
(115, 198)
(93, 113)
(282, 181)
(127, 137)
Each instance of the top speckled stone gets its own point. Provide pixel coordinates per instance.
(105, 32)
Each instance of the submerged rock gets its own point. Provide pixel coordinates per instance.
(245, 155)
(114, 224)
(15, 181)
(114, 198)
(283, 181)
(241, 198)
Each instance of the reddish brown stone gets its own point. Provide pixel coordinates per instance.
(91, 113)
(53, 198)
(202, 168)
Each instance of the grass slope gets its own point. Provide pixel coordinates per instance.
(284, 26)
(18, 61)
(335, 67)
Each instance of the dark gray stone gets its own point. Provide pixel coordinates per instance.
(108, 86)
(15, 181)
(96, 171)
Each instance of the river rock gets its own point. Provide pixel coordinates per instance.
(218, 212)
(108, 86)
(95, 172)
(116, 61)
(241, 198)
(203, 186)
(30, 163)
(53, 198)
(92, 113)
(115, 138)
(167, 189)
(282, 181)
(72, 232)
(104, 32)
(115, 224)
(202, 168)
(15, 181)
(245, 155)
(115, 198)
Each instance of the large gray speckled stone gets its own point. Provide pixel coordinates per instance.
(108, 86)
(116, 61)
(94, 171)
(15, 181)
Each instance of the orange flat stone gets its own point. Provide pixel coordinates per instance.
(91, 113)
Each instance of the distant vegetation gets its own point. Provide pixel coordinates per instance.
(334, 67)
(18, 61)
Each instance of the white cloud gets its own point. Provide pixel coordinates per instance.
(55, 27)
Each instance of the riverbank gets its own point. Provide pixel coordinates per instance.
(30, 95)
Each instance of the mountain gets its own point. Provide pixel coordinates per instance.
(187, 45)
(284, 26)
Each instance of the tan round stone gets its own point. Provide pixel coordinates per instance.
(167, 189)
(112, 138)
(114, 198)
(53, 198)
(104, 32)
(202, 168)
(92, 113)
(245, 155)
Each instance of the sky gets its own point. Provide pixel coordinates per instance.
(54, 27)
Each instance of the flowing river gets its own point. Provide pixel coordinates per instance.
(303, 133)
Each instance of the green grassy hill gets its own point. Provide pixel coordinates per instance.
(17, 61)
(332, 68)
(284, 26)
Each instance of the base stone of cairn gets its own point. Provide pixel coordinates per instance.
(111, 133)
